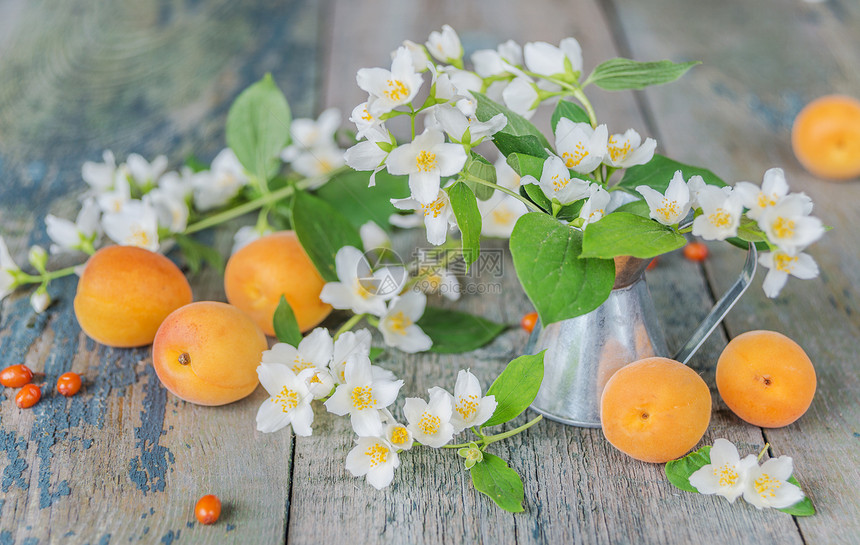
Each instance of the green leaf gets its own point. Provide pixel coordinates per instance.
(453, 332)
(637, 208)
(375, 352)
(618, 74)
(526, 165)
(515, 388)
(258, 127)
(500, 483)
(547, 260)
(621, 233)
(322, 231)
(568, 110)
(468, 216)
(482, 169)
(519, 135)
(348, 192)
(285, 324)
(748, 231)
(803, 508)
(196, 253)
(678, 471)
(570, 211)
(658, 172)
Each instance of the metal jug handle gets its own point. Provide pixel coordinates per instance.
(723, 306)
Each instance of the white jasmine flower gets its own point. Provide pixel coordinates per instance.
(594, 208)
(318, 161)
(362, 395)
(390, 89)
(773, 189)
(80, 235)
(314, 351)
(363, 120)
(467, 129)
(430, 423)
(8, 268)
(38, 257)
(505, 175)
(504, 59)
(548, 60)
(441, 87)
(439, 280)
(370, 154)
(100, 176)
(374, 457)
(360, 289)
(170, 207)
(418, 53)
(349, 343)
(306, 135)
(144, 173)
(521, 96)
(398, 435)
(320, 383)
(781, 265)
(624, 150)
(721, 214)
(438, 215)
(40, 300)
(445, 45)
(671, 207)
(787, 224)
(135, 224)
(768, 486)
(113, 200)
(289, 400)
(398, 325)
(581, 147)
(373, 236)
(426, 159)
(499, 214)
(726, 475)
(215, 187)
(407, 221)
(246, 235)
(470, 408)
(556, 182)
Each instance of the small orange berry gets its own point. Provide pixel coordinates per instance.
(16, 376)
(68, 384)
(28, 396)
(651, 266)
(696, 251)
(528, 321)
(208, 509)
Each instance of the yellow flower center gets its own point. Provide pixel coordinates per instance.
(429, 424)
(474, 454)
(467, 406)
(434, 207)
(287, 399)
(426, 161)
(727, 474)
(378, 454)
(362, 397)
(573, 159)
(399, 435)
(784, 262)
(399, 322)
(669, 210)
(783, 228)
(300, 365)
(397, 90)
(598, 212)
(617, 152)
(720, 218)
(764, 201)
(360, 290)
(324, 166)
(365, 115)
(502, 216)
(139, 237)
(559, 182)
(765, 486)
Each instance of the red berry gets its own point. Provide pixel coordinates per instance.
(16, 376)
(208, 509)
(696, 251)
(68, 384)
(28, 396)
(653, 264)
(528, 321)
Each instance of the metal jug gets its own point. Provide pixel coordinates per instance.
(582, 353)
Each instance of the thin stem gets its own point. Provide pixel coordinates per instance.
(579, 95)
(761, 454)
(503, 189)
(489, 439)
(349, 324)
(412, 115)
(24, 278)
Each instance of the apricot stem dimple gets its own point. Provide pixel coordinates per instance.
(184, 358)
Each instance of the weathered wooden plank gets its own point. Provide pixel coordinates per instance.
(762, 62)
(125, 460)
(578, 489)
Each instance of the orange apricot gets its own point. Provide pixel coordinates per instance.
(125, 293)
(825, 137)
(207, 353)
(766, 378)
(258, 274)
(655, 409)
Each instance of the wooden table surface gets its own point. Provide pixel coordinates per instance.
(125, 461)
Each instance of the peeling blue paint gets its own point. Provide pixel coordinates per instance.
(6, 538)
(15, 448)
(189, 524)
(105, 540)
(231, 527)
(149, 470)
(30, 541)
(170, 537)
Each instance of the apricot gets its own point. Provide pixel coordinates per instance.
(825, 137)
(766, 378)
(258, 274)
(125, 293)
(207, 353)
(655, 409)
